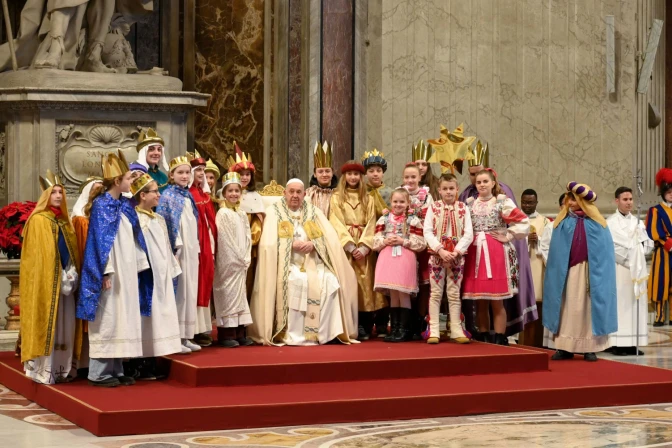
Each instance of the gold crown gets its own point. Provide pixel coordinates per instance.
(148, 138)
(231, 177)
(479, 157)
(88, 181)
(421, 151)
(241, 162)
(179, 160)
(114, 165)
(140, 183)
(322, 153)
(195, 159)
(50, 180)
(210, 166)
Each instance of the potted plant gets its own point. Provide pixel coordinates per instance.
(12, 219)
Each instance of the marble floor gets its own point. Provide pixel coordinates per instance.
(24, 424)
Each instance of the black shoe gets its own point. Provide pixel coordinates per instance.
(126, 380)
(394, 325)
(658, 324)
(245, 342)
(501, 339)
(361, 334)
(482, 336)
(403, 332)
(590, 357)
(110, 382)
(203, 339)
(560, 355)
(382, 319)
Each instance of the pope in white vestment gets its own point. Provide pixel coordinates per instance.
(631, 244)
(305, 291)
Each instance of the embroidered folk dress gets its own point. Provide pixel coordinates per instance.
(420, 201)
(396, 267)
(491, 267)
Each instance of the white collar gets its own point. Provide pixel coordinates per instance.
(533, 215)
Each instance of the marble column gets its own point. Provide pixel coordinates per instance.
(668, 92)
(229, 65)
(295, 93)
(337, 77)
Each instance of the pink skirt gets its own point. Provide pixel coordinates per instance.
(498, 286)
(396, 273)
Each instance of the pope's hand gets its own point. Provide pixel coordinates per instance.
(302, 247)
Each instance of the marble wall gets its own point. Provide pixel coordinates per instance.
(229, 65)
(527, 76)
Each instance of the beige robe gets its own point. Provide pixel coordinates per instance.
(537, 265)
(265, 311)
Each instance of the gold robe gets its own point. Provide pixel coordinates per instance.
(269, 306)
(356, 226)
(40, 279)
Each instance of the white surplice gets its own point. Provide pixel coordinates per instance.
(187, 247)
(631, 244)
(233, 260)
(116, 331)
(161, 330)
(331, 324)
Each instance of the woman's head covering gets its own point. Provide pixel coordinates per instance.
(585, 197)
(85, 192)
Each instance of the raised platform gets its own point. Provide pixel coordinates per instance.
(264, 386)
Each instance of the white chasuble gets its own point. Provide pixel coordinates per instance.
(161, 330)
(116, 331)
(232, 260)
(188, 249)
(631, 244)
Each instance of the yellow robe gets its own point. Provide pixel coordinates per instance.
(40, 280)
(356, 225)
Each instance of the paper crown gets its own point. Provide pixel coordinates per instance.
(210, 166)
(140, 183)
(49, 180)
(88, 181)
(195, 159)
(322, 155)
(582, 190)
(478, 157)
(147, 138)
(231, 177)
(421, 151)
(241, 162)
(374, 158)
(114, 165)
(179, 160)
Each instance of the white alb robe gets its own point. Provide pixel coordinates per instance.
(631, 244)
(188, 249)
(331, 324)
(161, 330)
(116, 332)
(48, 369)
(233, 259)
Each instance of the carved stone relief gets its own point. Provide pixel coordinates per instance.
(80, 146)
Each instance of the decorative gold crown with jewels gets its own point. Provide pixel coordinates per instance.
(148, 138)
(140, 183)
(114, 165)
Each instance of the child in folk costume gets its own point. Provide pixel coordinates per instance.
(659, 228)
(207, 238)
(323, 182)
(580, 300)
(50, 338)
(398, 238)
(421, 199)
(448, 232)
(233, 261)
(375, 164)
(178, 208)
(252, 204)
(353, 215)
(491, 265)
(161, 330)
(117, 285)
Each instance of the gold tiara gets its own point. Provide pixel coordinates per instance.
(114, 165)
(177, 161)
(140, 183)
(49, 180)
(323, 156)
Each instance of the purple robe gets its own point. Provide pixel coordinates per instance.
(521, 309)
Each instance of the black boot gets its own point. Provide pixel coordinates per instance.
(365, 325)
(394, 324)
(482, 336)
(501, 339)
(382, 318)
(403, 332)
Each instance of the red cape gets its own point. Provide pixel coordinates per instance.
(206, 260)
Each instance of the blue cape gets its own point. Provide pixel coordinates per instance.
(170, 207)
(601, 273)
(103, 227)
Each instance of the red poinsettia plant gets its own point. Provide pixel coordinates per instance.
(12, 219)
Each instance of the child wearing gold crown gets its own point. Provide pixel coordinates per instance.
(178, 208)
(251, 203)
(353, 214)
(233, 261)
(115, 273)
(161, 330)
(49, 339)
(151, 155)
(212, 175)
(323, 181)
(207, 237)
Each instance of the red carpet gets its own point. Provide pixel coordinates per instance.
(312, 396)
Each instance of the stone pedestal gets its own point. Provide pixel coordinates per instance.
(65, 121)
(10, 269)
